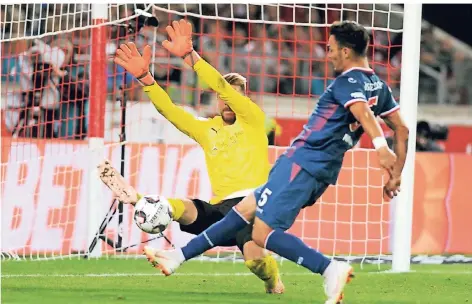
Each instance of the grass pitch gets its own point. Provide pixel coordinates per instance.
(135, 281)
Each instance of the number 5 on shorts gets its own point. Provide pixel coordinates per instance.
(264, 197)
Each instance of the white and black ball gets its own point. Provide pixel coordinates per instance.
(153, 213)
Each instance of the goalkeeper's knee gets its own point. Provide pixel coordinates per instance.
(265, 269)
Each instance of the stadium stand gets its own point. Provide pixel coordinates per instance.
(278, 60)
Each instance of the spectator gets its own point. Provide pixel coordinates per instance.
(74, 88)
(311, 58)
(213, 45)
(263, 60)
(445, 56)
(239, 58)
(429, 58)
(40, 71)
(462, 70)
(286, 70)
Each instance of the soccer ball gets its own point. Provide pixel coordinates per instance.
(153, 213)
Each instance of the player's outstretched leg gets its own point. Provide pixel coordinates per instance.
(261, 264)
(336, 274)
(264, 268)
(289, 189)
(183, 210)
(121, 189)
(217, 234)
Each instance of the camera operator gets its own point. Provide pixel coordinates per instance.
(427, 136)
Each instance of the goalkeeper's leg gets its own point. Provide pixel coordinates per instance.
(183, 210)
(259, 262)
(195, 216)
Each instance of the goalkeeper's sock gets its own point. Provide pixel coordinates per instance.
(265, 269)
(215, 235)
(178, 208)
(293, 249)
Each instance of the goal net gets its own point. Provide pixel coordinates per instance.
(60, 89)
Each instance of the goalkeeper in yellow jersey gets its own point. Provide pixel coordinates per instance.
(235, 146)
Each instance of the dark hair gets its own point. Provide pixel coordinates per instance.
(423, 128)
(352, 35)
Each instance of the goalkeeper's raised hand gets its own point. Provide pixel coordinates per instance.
(131, 60)
(180, 35)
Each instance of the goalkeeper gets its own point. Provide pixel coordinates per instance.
(235, 146)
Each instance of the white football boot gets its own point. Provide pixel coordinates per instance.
(335, 278)
(166, 260)
(112, 178)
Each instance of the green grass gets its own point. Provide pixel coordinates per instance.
(135, 281)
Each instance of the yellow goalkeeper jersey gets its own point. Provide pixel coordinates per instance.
(236, 155)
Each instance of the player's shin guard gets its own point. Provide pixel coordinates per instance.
(178, 208)
(267, 270)
(215, 235)
(293, 249)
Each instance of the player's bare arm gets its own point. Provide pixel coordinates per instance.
(371, 126)
(395, 122)
(180, 44)
(132, 61)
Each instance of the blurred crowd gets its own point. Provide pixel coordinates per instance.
(276, 58)
(445, 71)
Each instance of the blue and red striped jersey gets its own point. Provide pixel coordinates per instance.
(332, 129)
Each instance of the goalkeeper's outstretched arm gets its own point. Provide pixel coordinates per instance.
(240, 104)
(129, 58)
(181, 119)
(180, 44)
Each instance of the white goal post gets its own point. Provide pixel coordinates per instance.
(280, 48)
(403, 203)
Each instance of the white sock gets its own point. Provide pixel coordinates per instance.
(180, 255)
(329, 268)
